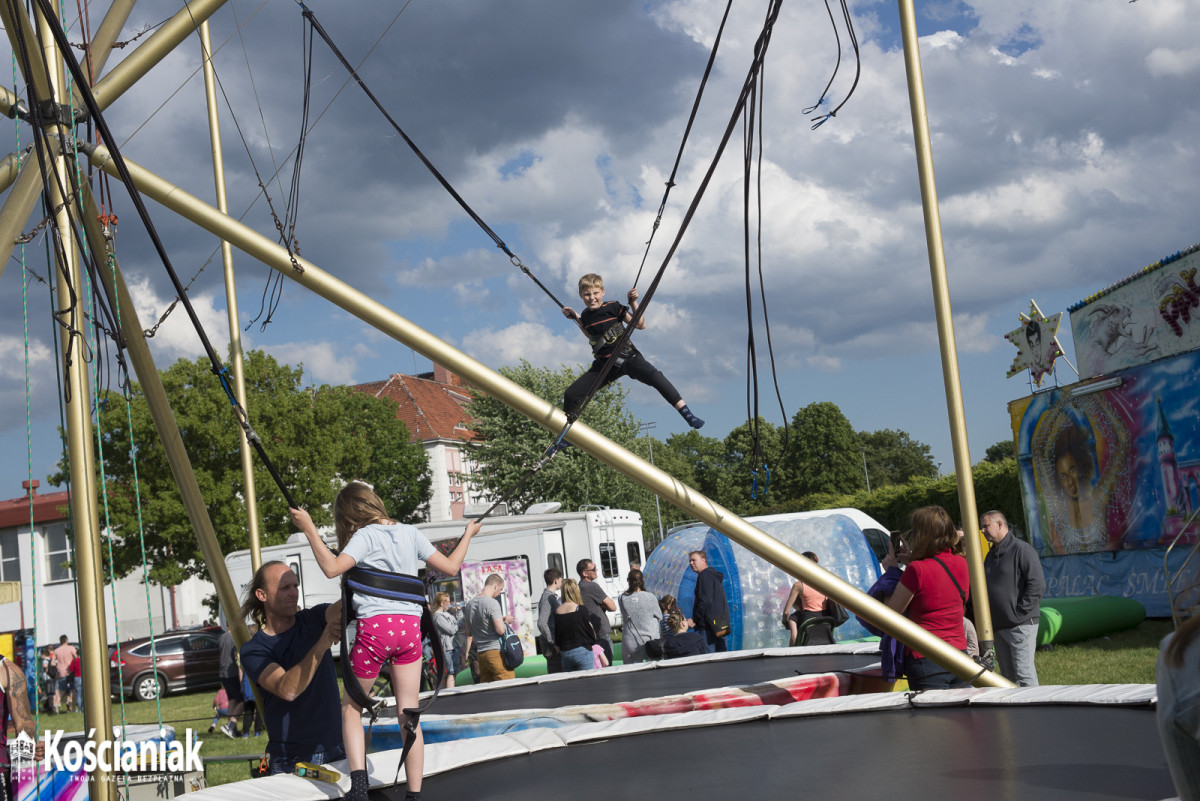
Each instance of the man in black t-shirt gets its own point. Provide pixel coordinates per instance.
(289, 659)
(603, 323)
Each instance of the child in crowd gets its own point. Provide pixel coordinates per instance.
(603, 323)
(220, 709)
(388, 631)
(682, 642)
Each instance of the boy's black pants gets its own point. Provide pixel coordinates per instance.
(635, 366)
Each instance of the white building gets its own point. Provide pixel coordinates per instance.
(37, 571)
(433, 406)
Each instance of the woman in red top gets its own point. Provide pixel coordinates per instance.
(932, 593)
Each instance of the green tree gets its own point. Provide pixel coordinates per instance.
(510, 444)
(316, 438)
(752, 477)
(665, 458)
(1004, 449)
(824, 454)
(704, 457)
(893, 457)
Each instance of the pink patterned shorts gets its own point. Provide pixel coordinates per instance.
(385, 639)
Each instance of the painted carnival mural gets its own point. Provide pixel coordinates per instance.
(1114, 464)
(1150, 315)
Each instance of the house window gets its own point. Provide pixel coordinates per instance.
(10, 556)
(60, 557)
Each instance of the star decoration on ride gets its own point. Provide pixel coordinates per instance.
(1037, 345)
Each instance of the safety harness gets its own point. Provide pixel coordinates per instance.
(395, 587)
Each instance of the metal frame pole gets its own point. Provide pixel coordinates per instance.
(945, 323)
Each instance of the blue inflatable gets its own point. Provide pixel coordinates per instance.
(756, 589)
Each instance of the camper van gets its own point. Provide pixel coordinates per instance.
(521, 546)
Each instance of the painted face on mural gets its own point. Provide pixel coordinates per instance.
(1067, 473)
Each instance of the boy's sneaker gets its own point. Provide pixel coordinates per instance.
(229, 731)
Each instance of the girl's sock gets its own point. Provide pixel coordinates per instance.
(692, 420)
(412, 795)
(358, 786)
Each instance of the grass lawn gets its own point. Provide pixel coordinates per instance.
(1126, 657)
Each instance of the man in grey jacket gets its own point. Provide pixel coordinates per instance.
(1015, 584)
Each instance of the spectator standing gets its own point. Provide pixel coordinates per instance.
(641, 619)
(1015, 584)
(446, 624)
(666, 604)
(49, 677)
(77, 682)
(1178, 679)
(597, 604)
(230, 675)
(64, 655)
(486, 621)
(710, 606)
(14, 706)
(574, 630)
(545, 619)
(933, 593)
(891, 651)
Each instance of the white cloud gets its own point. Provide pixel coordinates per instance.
(176, 337)
(326, 362)
(1167, 62)
(532, 342)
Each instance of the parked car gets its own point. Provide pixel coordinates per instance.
(181, 660)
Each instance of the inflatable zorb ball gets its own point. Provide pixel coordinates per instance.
(757, 590)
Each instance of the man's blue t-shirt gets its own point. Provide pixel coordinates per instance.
(295, 729)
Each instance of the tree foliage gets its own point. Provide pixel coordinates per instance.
(509, 444)
(1004, 449)
(317, 439)
(824, 454)
(893, 457)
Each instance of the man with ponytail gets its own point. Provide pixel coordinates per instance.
(289, 659)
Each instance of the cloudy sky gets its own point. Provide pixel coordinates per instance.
(1064, 144)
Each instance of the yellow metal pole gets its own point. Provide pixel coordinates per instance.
(548, 416)
(235, 329)
(85, 519)
(19, 203)
(945, 323)
(168, 432)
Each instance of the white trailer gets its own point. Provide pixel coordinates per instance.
(612, 538)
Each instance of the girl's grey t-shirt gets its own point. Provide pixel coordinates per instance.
(394, 548)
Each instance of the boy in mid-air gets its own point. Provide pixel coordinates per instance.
(603, 323)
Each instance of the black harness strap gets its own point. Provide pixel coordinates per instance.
(396, 587)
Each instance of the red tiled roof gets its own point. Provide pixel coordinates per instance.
(46, 508)
(430, 409)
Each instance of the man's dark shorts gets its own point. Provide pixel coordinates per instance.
(233, 689)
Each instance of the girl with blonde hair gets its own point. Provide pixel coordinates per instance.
(389, 631)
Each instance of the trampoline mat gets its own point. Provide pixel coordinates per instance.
(608, 687)
(1025, 752)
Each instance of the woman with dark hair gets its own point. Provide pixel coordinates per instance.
(1178, 708)
(640, 619)
(933, 594)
